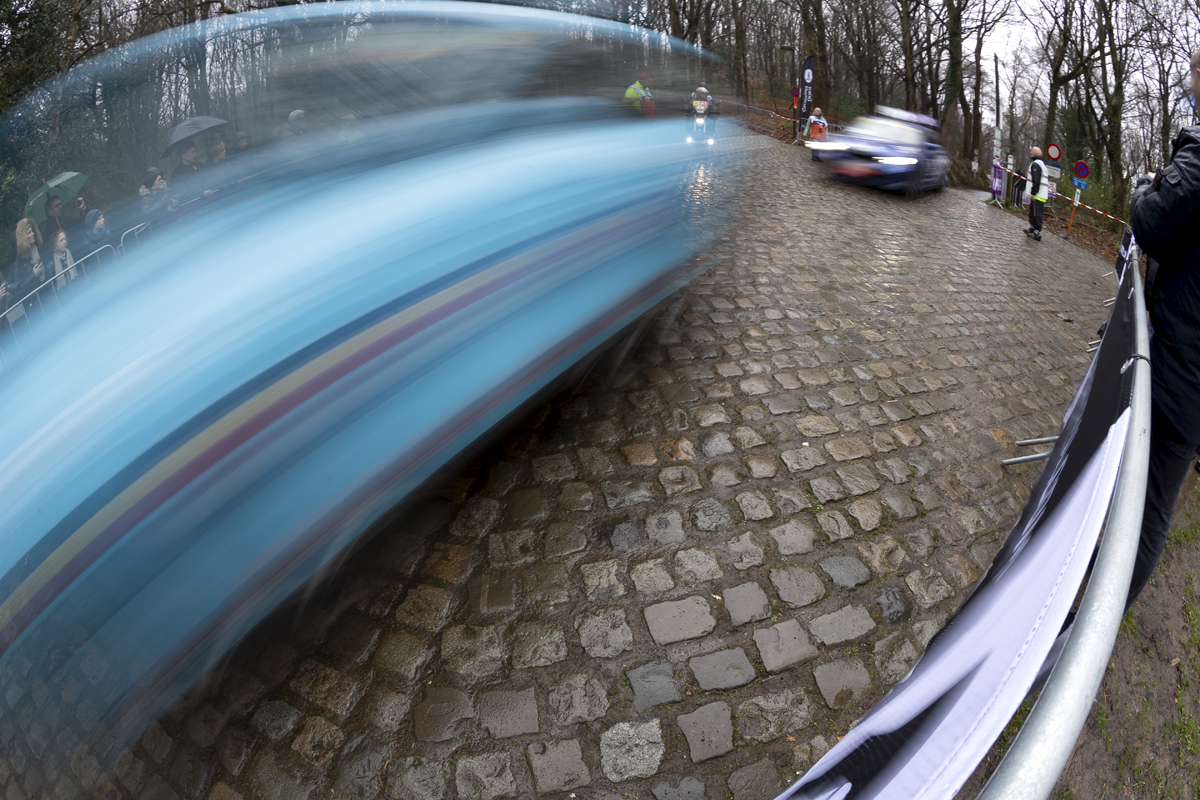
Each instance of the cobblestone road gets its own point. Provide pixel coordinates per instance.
(688, 583)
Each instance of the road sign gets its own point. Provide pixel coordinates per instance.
(1053, 171)
(1053, 189)
(1082, 184)
(1076, 195)
(795, 91)
(1081, 169)
(974, 166)
(1053, 152)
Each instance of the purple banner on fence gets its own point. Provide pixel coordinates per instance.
(997, 179)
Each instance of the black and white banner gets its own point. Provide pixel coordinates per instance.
(927, 736)
(806, 87)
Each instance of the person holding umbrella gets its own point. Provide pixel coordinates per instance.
(56, 220)
(45, 206)
(182, 138)
(187, 161)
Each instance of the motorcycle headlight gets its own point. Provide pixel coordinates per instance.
(896, 161)
(689, 140)
(712, 141)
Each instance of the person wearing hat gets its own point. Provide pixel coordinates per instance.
(296, 125)
(814, 130)
(153, 191)
(93, 236)
(638, 96)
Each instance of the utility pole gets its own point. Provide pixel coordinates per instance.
(787, 48)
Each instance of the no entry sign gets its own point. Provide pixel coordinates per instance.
(1053, 152)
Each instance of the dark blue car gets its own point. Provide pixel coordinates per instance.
(894, 150)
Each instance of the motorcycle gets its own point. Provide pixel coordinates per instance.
(703, 127)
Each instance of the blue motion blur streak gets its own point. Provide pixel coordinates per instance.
(211, 423)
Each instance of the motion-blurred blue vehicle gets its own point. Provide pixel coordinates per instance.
(225, 412)
(894, 150)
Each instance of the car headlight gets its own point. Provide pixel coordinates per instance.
(826, 145)
(896, 161)
(712, 141)
(689, 140)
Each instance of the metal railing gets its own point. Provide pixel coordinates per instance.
(1031, 767)
(22, 308)
(136, 231)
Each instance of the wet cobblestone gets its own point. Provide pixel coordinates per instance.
(688, 581)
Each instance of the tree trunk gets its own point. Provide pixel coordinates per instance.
(954, 85)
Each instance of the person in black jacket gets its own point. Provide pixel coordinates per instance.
(155, 201)
(1165, 217)
(1038, 188)
(28, 271)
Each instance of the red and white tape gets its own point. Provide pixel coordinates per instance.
(1065, 197)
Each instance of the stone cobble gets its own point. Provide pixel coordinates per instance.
(689, 581)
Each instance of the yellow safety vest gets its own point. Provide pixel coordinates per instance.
(635, 94)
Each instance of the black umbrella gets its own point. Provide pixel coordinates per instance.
(189, 128)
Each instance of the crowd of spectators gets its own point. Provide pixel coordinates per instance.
(48, 251)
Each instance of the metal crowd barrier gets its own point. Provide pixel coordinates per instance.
(1031, 767)
(10, 330)
(135, 232)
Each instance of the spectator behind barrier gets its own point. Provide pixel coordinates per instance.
(241, 143)
(27, 271)
(216, 154)
(93, 235)
(1163, 217)
(155, 200)
(56, 220)
(185, 180)
(187, 161)
(296, 125)
(60, 260)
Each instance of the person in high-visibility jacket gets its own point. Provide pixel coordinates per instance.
(814, 130)
(638, 96)
(1039, 191)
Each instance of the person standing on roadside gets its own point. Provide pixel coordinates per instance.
(1039, 191)
(638, 96)
(1165, 217)
(814, 130)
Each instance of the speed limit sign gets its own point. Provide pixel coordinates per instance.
(1053, 152)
